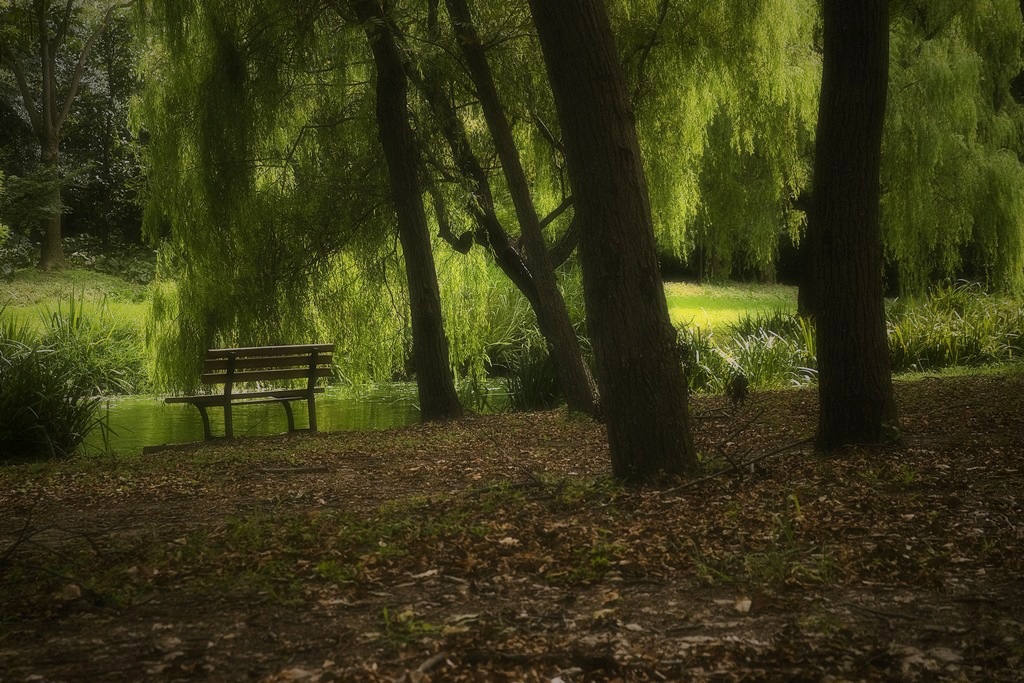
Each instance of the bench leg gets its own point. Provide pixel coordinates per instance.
(311, 404)
(228, 427)
(288, 411)
(207, 434)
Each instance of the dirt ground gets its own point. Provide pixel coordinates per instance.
(496, 549)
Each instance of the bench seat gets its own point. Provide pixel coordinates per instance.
(261, 365)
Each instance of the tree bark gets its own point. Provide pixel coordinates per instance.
(507, 255)
(854, 380)
(552, 316)
(435, 383)
(643, 390)
(51, 255)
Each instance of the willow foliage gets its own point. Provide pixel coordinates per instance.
(267, 189)
(953, 183)
(268, 192)
(726, 99)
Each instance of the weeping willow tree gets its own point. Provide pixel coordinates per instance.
(477, 70)
(726, 98)
(952, 179)
(268, 194)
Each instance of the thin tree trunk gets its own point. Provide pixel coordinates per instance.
(643, 390)
(552, 316)
(854, 380)
(438, 399)
(51, 255)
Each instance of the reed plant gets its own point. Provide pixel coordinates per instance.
(532, 383)
(957, 325)
(106, 351)
(46, 406)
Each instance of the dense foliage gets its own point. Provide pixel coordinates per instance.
(47, 404)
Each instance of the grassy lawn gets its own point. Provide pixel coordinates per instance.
(714, 305)
(33, 295)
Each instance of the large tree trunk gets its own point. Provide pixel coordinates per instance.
(854, 380)
(438, 399)
(51, 255)
(552, 316)
(643, 391)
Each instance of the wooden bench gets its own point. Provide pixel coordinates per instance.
(261, 364)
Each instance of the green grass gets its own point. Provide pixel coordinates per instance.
(32, 295)
(715, 306)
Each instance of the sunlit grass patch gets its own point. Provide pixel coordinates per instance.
(32, 295)
(710, 306)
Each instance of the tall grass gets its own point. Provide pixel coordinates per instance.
(105, 350)
(957, 325)
(532, 382)
(767, 358)
(47, 407)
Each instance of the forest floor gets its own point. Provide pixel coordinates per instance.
(496, 549)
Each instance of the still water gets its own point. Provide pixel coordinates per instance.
(138, 421)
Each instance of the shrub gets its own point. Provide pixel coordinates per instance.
(957, 325)
(16, 252)
(707, 368)
(771, 350)
(129, 262)
(46, 406)
(778, 322)
(532, 383)
(106, 353)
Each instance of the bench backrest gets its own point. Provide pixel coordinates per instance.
(268, 363)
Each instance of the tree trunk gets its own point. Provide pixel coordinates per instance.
(552, 316)
(805, 303)
(643, 390)
(435, 383)
(51, 255)
(854, 381)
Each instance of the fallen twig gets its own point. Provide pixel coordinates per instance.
(432, 662)
(736, 468)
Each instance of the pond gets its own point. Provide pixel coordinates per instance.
(134, 422)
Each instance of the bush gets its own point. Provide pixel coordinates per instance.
(16, 252)
(532, 383)
(129, 262)
(46, 407)
(771, 350)
(106, 353)
(706, 367)
(957, 325)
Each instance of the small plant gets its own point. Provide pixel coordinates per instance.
(403, 627)
(46, 407)
(104, 351)
(532, 384)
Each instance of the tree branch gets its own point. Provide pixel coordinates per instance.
(556, 212)
(545, 131)
(464, 242)
(10, 60)
(563, 247)
(76, 79)
(645, 50)
(62, 28)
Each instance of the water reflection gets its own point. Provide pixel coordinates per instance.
(138, 421)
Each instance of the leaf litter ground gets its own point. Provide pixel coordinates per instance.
(496, 549)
